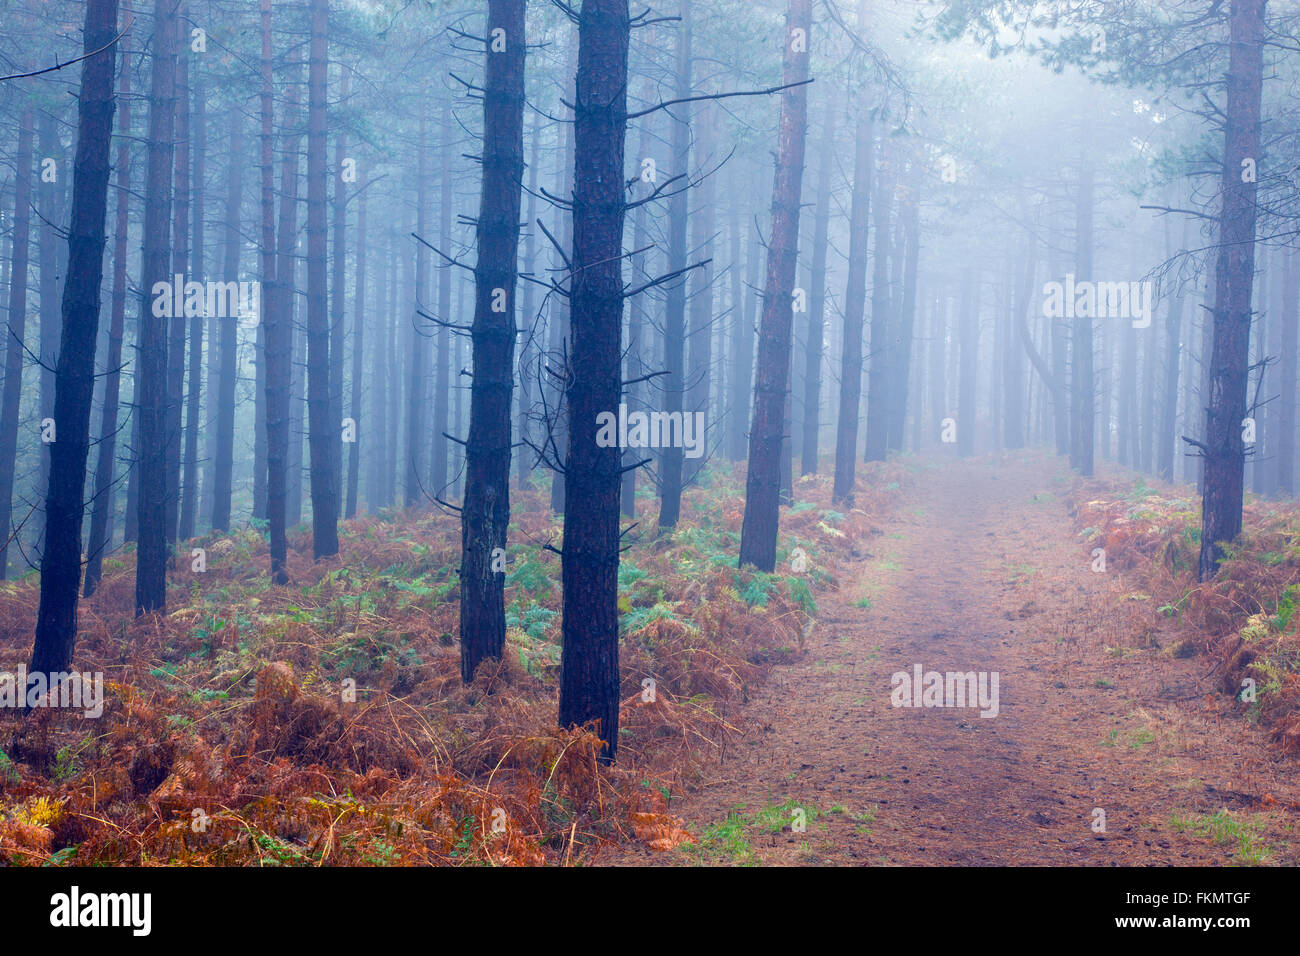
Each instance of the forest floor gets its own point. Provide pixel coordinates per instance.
(980, 567)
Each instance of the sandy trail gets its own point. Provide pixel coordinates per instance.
(979, 568)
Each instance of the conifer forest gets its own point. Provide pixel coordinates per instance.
(706, 433)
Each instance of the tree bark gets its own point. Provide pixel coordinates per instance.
(151, 523)
(1224, 451)
(485, 514)
(101, 515)
(589, 677)
(56, 619)
(325, 436)
(759, 528)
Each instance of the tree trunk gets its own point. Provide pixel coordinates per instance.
(193, 402)
(56, 619)
(855, 304)
(101, 516)
(358, 359)
(759, 528)
(1083, 398)
(742, 342)
(338, 267)
(417, 357)
(813, 347)
(181, 267)
(151, 552)
(1290, 357)
(967, 387)
(700, 336)
(14, 351)
(910, 253)
(486, 509)
(881, 354)
(324, 435)
(227, 346)
(528, 352)
(1224, 451)
(671, 458)
(589, 677)
(279, 319)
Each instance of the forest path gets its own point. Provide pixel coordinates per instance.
(979, 568)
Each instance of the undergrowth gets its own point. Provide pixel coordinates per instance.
(325, 722)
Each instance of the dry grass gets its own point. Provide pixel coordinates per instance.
(227, 737)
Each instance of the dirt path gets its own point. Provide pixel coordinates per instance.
(980, 569)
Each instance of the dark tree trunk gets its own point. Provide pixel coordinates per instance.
(1224, 452)
(855, 304)
(13, 383)
(589, 677)
(324, 434)
(56, 620)
(101, 515)
(151, 523)
(486, 511)
(759, 529)
(279, 317)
